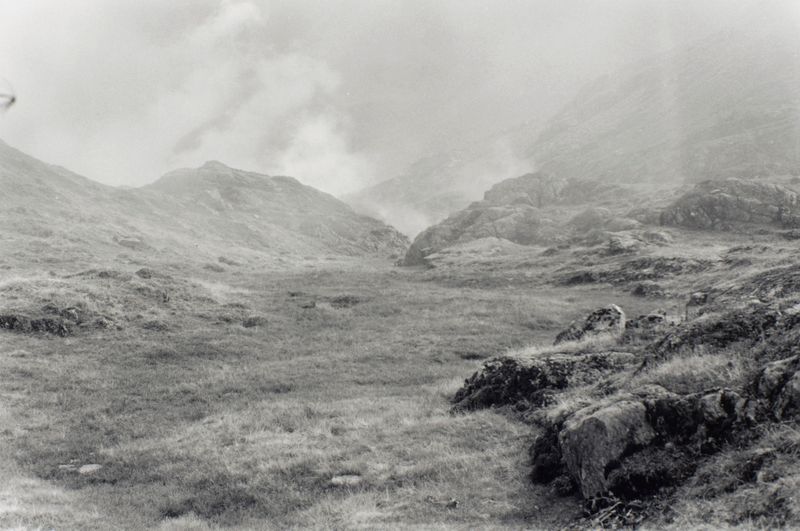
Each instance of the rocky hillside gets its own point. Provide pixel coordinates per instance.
(254, 210)
(204, 211)
(726, 106)
(658, 418)
(535, 208)
(726, 203)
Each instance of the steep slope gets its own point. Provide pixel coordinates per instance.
(724, 107)
(206, 211)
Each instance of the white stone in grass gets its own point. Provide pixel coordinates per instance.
(346, 480)
(87, 470)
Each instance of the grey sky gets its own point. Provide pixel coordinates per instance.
(336, 93)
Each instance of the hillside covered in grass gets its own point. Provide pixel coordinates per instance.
(194, 211)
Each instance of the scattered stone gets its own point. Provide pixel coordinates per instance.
(23, 324)
(253, 321)
(345, 301)
(214, 267)
(609, 320)
(228, 261)
(648, 289)
(132, 242)
(88, 470)
(145, 272)
(623, 244)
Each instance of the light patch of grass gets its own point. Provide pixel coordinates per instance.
(586, 345)
(696, 372)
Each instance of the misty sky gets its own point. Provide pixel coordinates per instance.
(339, 94)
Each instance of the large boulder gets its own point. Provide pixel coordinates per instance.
(719, 204)
(593, 439)
(609, 320)
(640, 442)
(779, 383)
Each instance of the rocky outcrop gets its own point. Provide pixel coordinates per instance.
(519, 210)
(614, 446)
(604, 321)
(594, 438)
(720, 204)
(525, 385)
(779, 383)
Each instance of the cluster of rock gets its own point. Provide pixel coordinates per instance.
(633, 442)
(608, 320)
(637, 443)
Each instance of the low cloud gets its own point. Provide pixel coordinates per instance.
(334, 93)
(137, 100)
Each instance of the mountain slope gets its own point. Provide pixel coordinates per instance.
(206, 211)
(726, 106)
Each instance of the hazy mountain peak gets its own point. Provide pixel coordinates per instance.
(215, 165)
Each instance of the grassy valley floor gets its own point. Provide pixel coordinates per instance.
(315, 398)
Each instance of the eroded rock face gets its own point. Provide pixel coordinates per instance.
(652, 438)
(595, 438)
(718, 204)
(779, 383)
(609, 320)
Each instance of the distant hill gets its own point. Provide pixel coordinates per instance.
(206, 211)
(537, 209)
(727, 106)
